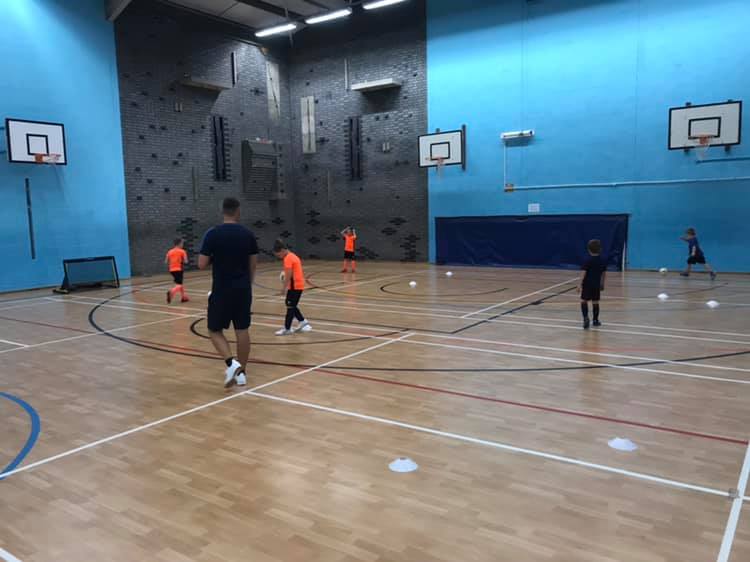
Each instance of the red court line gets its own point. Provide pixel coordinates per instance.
(541, 408)
(46, 325)
(211, 355)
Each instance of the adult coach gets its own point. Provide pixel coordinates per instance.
(232, 251)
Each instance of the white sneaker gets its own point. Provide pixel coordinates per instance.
(230, 372)
(240, 379)
(284, 332)
(304, 326)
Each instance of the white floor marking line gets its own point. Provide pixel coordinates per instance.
(649, 327)
(596, 353)
(346, 284)
(495, 321)
(195, 409)
(105, 304)
(469, 314)
(526, 346)
(498, 445)
(417, 332)
(628, 332)
(385, 304)
(578, 362)
(734, 513)
(7, 556)
(14, 343)
(94, 334)
(479, 340)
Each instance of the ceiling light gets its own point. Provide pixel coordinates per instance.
(329, 16)
(380, 4)
(276, 30)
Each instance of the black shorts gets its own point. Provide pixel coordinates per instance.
(292, 297)
(591, 293)
(229, 306)
(348, 255)
(700, 258)
(177, 276)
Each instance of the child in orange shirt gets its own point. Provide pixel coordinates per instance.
(350, 236)
(293, 282)
(176, 259)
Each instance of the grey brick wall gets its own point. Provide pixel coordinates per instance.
(158, 45)
(388, 206)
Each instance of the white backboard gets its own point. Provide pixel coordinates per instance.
(448, 145)
(722, 122)
(27, 138)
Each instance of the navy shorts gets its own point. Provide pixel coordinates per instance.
(229, 306)
(591, 293)
(348, 255)
(699, 258)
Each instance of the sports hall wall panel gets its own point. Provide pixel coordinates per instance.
(58, 65)
(595, 80)
(168, 132)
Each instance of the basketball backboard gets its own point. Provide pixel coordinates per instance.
(26, 139)
(445, 148)
(691, 124)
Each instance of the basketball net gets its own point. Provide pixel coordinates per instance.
(704, 144)
(50, 159)
(439, 166)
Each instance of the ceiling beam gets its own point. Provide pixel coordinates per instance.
(318, 5)
(114, 8)
(271, 9)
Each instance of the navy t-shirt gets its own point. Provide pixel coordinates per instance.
(693, 245)
(230, 246)
(594, 268)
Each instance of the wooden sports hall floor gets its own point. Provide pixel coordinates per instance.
(485, 379)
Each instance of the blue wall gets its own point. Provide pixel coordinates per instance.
(58, 64)
(595, 80)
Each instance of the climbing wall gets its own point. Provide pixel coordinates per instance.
(190, 94)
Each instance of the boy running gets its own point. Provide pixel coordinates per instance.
(293, 282)
(592, 282)
(350, 236)
(695, 254)
(232, 251)
(176, 260)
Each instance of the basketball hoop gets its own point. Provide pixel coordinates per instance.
(704, 143)
(50, 159)
(439, 165)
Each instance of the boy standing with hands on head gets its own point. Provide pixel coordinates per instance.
(592, 282)
(350, 236)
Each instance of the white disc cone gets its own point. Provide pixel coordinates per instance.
(622, 444)
(403, 465)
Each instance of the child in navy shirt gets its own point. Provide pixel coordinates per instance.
(695, 254)
(592, 282)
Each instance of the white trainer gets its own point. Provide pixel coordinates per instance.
(240, 379)
(284, 332)
(304, 326)
(230, 372)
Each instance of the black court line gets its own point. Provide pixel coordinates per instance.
(194, 330)
(206, 355)
(512, 310)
